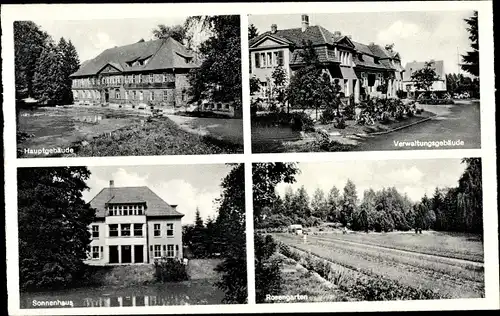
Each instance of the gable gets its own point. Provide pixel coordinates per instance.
(108, 69)
(346, 41)
(269, 41)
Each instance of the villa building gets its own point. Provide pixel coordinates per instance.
(438, 85)
(360, 68)
(133, 225)
(145, 73)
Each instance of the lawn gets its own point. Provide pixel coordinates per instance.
(453, 245)
(450, 278)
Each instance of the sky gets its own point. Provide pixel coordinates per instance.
(92, 37)
(188, 186)
(414, 177)
(419, 36)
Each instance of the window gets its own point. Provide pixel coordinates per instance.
(151, 95)
(141, 95)
(125, 229)
(125, 211)
(170, 251)
(139, 78)
(95, 252)
(165, 95)
(133, 78)
(281, 60)
(138, 230)
(157, 253)
(269, 59)
(151, 77)
(164, 77)
(170, 230)
(113, 230)
(257, 60)
(95, 231)
(134, 95)
(156, 230)
(139, 210)
(117, 94)
(263, 60)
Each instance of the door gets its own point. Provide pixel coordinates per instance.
(126, 254)
(138, 254)
(113, 254)
(106, 96)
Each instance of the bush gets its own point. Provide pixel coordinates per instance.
(435, 101)
(328, 115)
(301, 122)
(268, 278)
(401, 94)
(339, 123)
(170, 270)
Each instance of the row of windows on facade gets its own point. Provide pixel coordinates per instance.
(120, 210)
(131, 94)
(125, 230)
(139, 78)
(273, 59)
(155, 250)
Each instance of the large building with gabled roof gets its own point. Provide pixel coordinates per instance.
(360, 68)
(133, 225)
(145, 73)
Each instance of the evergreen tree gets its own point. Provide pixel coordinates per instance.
(349, 202)
(199, 244)
(70, 65)
(471, 58)
(319, 205)
(29, 42)
(252, 31)
(300, 204)
(333, 202)
(49, 80)
(53, 226)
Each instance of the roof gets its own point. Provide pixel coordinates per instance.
(318, 35)
(165, 54)
(155, 206)
(413, 66)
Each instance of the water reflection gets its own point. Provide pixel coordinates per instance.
(185, 293)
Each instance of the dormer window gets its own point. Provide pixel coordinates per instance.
(376, 60)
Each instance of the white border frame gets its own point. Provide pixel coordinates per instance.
(108, 11)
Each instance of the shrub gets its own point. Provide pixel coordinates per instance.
(301, 122)
(170, 270)
(268, 278)
(328, 115)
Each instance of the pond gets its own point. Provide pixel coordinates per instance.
(194, 292)
(60, 127)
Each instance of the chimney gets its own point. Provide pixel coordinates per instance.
(337, 34)
(111, 184)
(305, 22)
(274, 28)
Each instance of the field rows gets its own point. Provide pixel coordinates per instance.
(449, 279)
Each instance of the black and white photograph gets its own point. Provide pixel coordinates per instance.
(131, 236)
(358, 81)
(128, 87)
(368, 230)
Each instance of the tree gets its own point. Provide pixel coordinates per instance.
(29, 42)
(265, 177)
(471, 196)
(309, 86)
(177, 32)
(231, 223)
(333, 202)
(49, 80)
(70, 64)
(219, 75)
(198, 237)
(279, 82)
(53, 226)
(349, 202)
(319, 205)
(470, 61)
(198, 221)
(252, 31)
(425, 77)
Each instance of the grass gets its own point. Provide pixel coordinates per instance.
(452, 245)
(159, 137)
(298, 280)
(409, 269)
